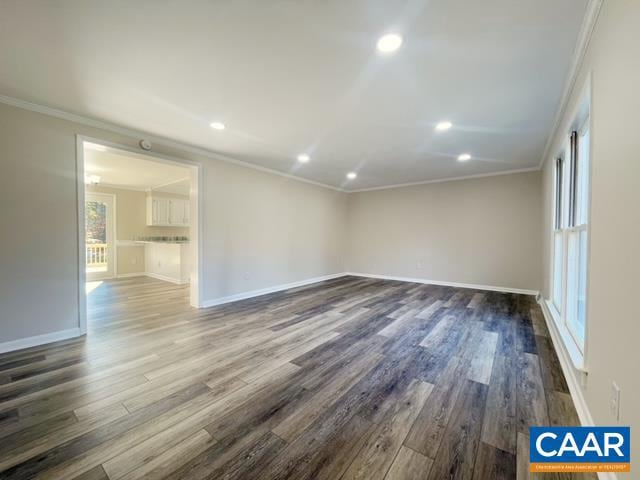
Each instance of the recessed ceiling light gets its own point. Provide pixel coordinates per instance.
(464, 157)
(217, 126)
(389, 43)
(303, 158)
(442, 126)
(351, 175)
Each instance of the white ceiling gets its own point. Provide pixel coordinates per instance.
(121, 169)
(292, 76)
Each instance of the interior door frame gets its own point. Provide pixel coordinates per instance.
(112, 252)
(196, 229)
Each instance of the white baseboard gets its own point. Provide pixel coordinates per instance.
(166, 279)
(265, 291)
(607, 476)
(447, 284)
(278, 288)
(573, 381)
(157, 276)
(39, 340)
(570, 374)
(131, 275)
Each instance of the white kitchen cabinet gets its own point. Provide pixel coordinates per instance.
(179, 212)
(167, 261)
(167, 212)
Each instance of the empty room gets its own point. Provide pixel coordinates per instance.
(337, 240)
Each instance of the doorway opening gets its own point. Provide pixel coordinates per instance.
(99, 221)
(139, 229)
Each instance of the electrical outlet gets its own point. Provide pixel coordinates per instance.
(614, 401)
(246, 275)
(134, 261)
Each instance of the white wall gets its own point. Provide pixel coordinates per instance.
(483, 231)
(260, 230)
(613, 323)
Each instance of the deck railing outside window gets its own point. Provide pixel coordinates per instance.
(96, 254)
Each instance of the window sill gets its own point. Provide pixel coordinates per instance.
(576, 356)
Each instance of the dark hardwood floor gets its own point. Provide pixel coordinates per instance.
(345, 379)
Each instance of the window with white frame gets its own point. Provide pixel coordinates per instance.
(570, 236)
(558, 238)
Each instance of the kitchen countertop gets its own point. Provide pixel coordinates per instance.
(177, 242)
(142, 243)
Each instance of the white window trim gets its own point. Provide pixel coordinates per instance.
(579, 228)
(558, 309)
(577, 353)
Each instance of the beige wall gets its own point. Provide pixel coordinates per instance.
(38, 258)
(613, 323)
(131, 223)
(483, 231)
(276, 230)
(260, 229)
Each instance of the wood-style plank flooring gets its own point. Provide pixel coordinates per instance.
(352, 378)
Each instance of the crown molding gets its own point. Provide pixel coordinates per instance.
(450, 179)
(158, 188)
(110, 127)
(115, 187)
(582, 44)
(90, 122)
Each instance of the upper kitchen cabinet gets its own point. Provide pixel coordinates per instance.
(165, 211)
